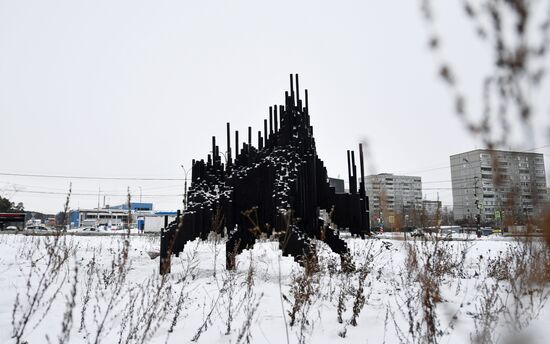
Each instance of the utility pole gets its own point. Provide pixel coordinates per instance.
(129, 200)
(478, 216)
(477, 203)
(98, 198)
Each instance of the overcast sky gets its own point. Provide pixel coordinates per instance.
(137, 88)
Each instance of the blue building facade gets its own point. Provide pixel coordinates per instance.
(135, 206)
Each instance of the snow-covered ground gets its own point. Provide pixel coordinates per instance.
(102, 289)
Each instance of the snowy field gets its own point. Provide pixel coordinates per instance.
(104, 289)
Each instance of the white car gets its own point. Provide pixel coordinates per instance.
(36, 228)
(103, 228)
(417, 232)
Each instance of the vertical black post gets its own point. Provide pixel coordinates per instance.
(260, 146)
(249, 138)
(307, 105)
(297, 90)
(270, 121)
(166, 240)
(163, 252)
(275, 118)
(292, 89)
(228, 144)
(214, 158)
(287, 100)
(365, 216)
(350, 182)
(265, 131)
(354, 168)
(236, 144)
(362, 165)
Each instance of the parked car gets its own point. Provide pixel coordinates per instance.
(103, 228)
(486, 231)
(417, 232)
(36, 228)
(377, 230)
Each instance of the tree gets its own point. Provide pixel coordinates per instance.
(6, 206)
(19, 207)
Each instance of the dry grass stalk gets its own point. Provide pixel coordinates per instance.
(304, 290)
(429, 262)
(215, 237)
(45, 277)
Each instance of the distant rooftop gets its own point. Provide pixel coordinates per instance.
(496, 151)
(134, 206)
(392, 175)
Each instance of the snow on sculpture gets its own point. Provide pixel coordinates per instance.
(278, 187)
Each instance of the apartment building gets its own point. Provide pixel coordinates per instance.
(431, 208)
(497, 184)
(394, 200)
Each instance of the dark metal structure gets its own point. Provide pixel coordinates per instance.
(280, 185)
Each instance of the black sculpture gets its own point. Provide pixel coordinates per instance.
(279, 186)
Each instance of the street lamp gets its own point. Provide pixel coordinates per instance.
(185, 187)
(225, 154)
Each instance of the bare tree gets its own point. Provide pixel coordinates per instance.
(63, 222)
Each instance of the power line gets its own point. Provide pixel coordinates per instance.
(496, 150)
(181, 179)
(88, 177)
(16, 187)
(92, 194)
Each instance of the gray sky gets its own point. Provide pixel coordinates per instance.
(136, 88)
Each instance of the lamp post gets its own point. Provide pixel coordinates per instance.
(478, 205)
(224, 155)
(185, 187)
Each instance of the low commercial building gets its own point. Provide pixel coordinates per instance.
(154, 222)
(143, 217)
(98, 217)
(12, 219)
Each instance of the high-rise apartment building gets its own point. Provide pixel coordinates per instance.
(394, 200)
(431, 208)
(497, 184)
